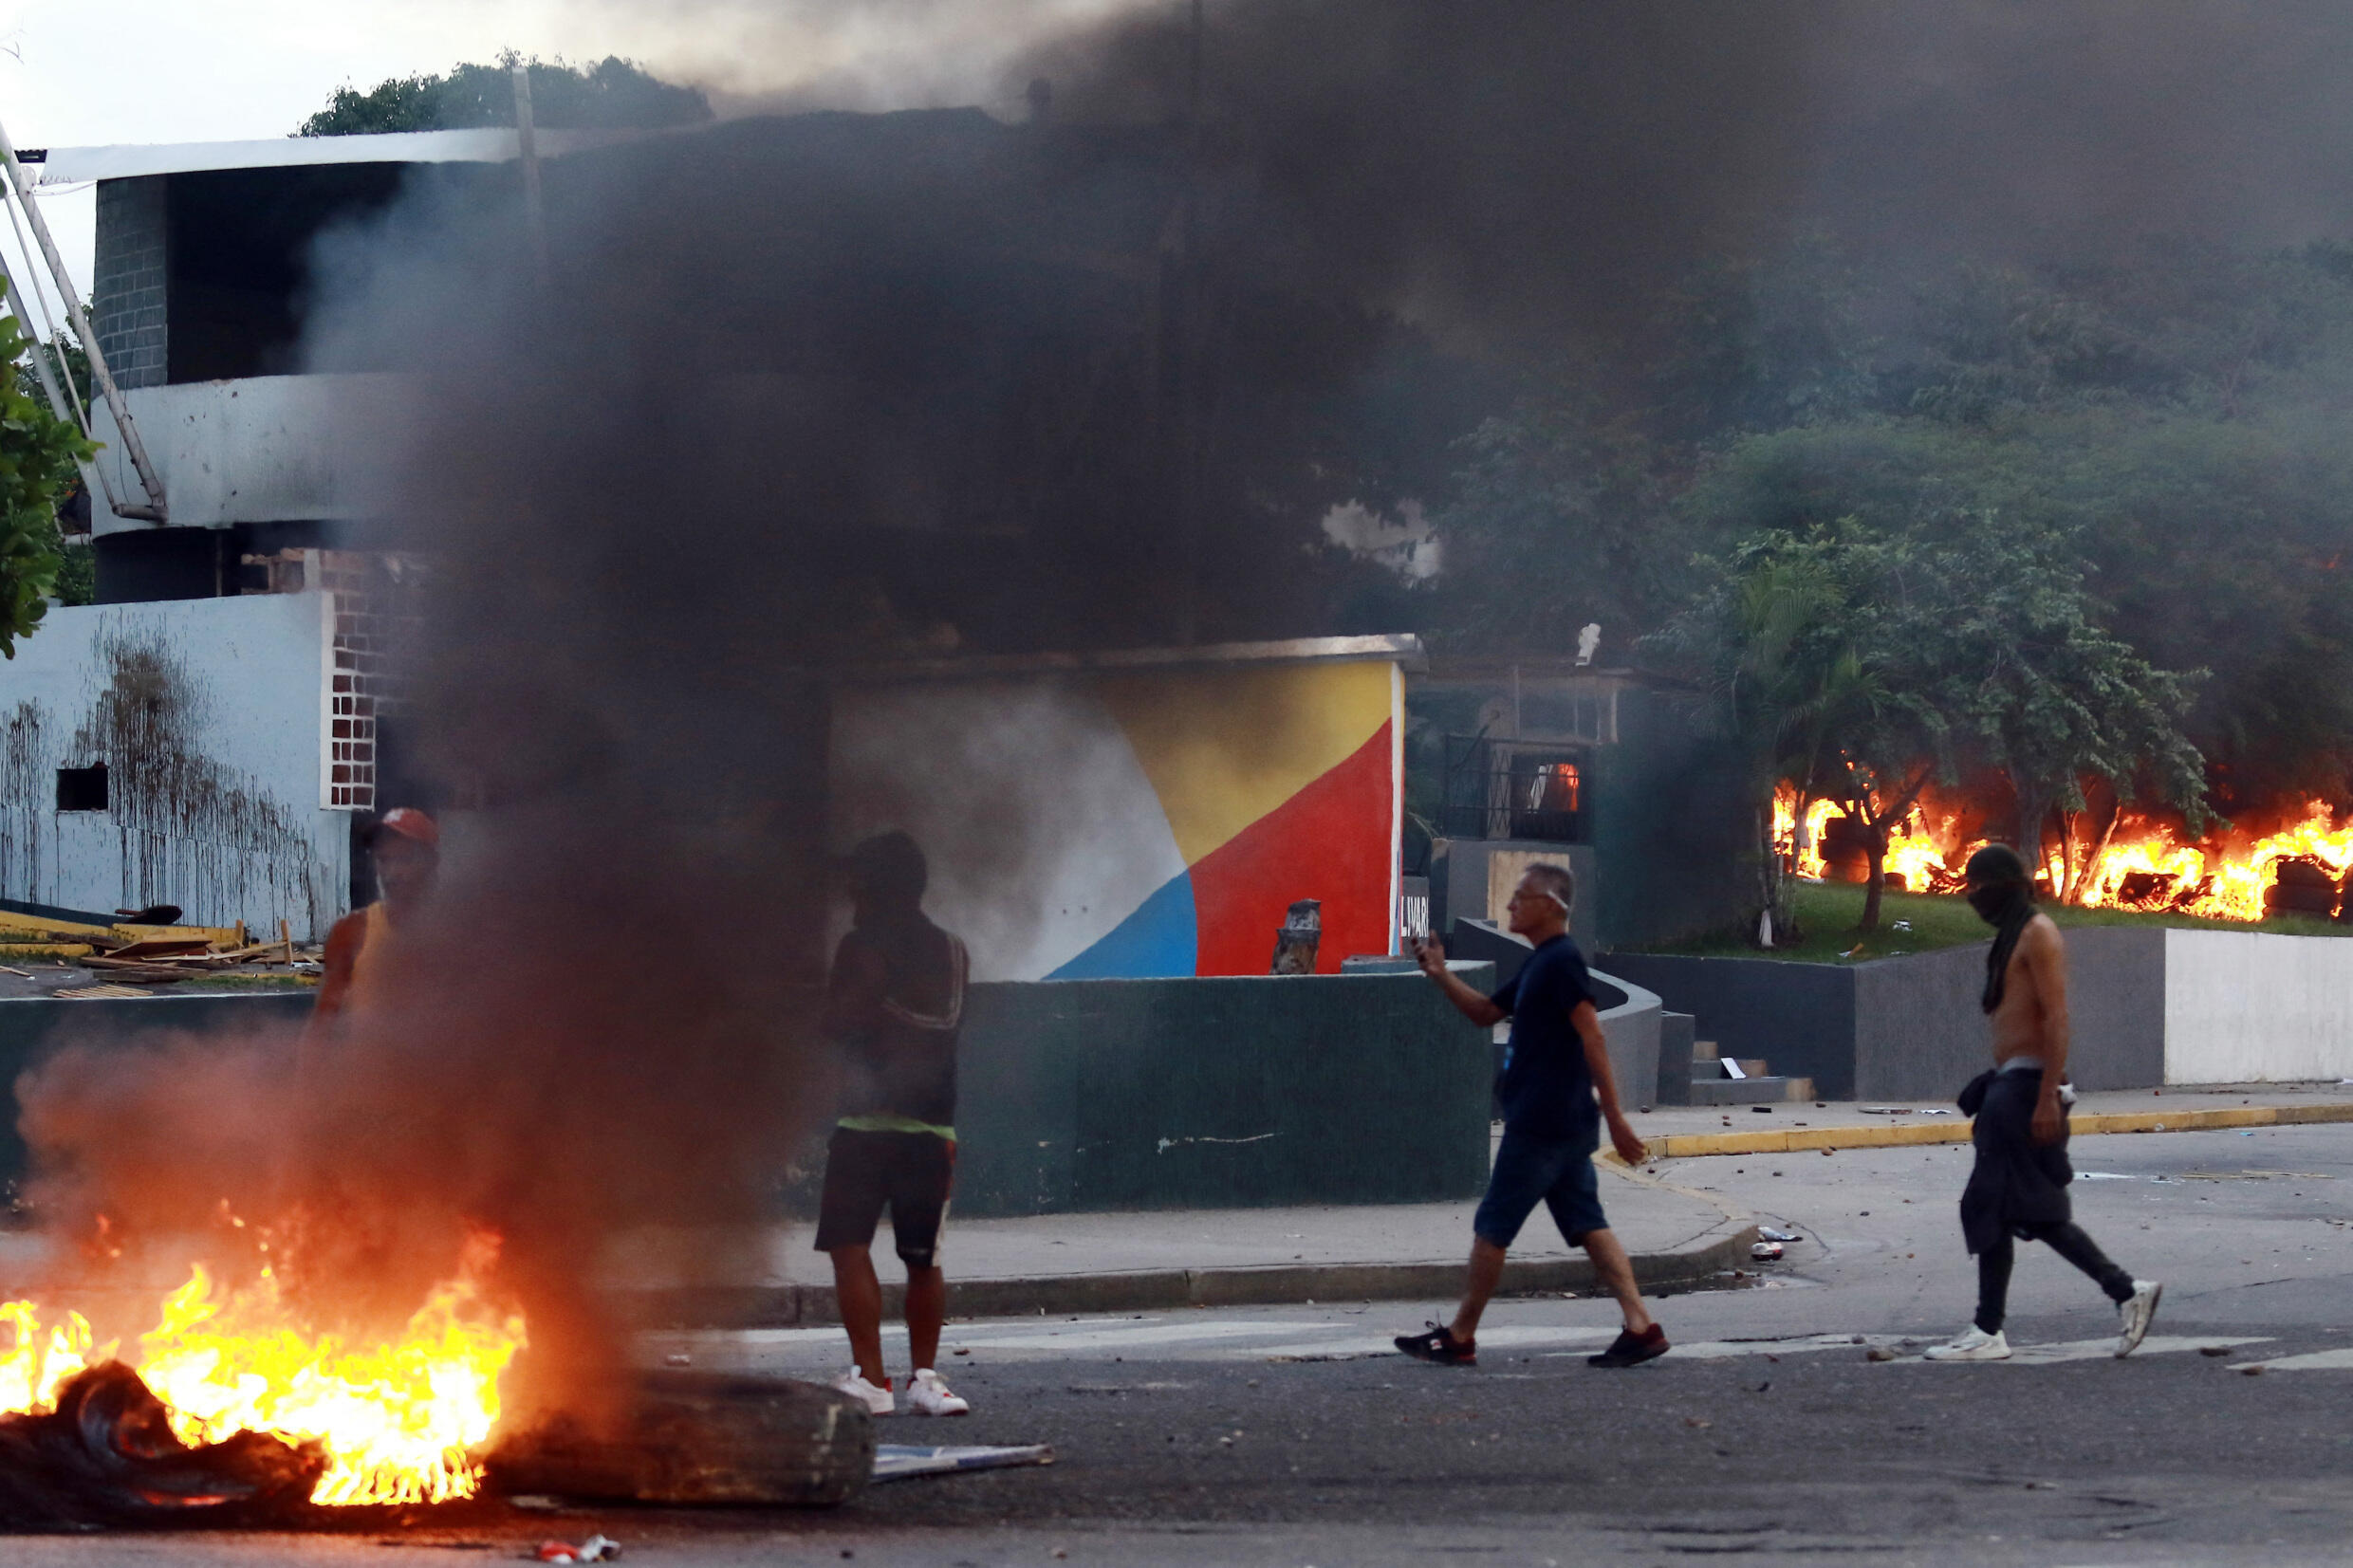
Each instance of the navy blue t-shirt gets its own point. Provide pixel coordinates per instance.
(1546, 1089)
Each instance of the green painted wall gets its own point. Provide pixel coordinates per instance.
(1219, 1094)
(31, 1027)
(1100, 1093)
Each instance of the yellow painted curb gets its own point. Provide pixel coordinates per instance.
(1956, 1130)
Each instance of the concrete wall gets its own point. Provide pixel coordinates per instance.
(1634, 1030)
(1912, 1027)
(264, 448)
(2244, 1007)
(30, 1028)
(1921, 1029)
(1631, 1016)
(1799, 1017)
(207, 715)
(1099, 1094)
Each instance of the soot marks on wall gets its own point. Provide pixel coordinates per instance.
(24, 770)
(194, 832)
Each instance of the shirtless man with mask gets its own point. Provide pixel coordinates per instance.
(2019, 1185)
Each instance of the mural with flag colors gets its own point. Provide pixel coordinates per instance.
(1154, 817)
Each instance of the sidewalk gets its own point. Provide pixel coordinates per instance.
(1148, 1261)
(1682, 1132)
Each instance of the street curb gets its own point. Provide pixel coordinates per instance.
(1690, 1144)
(1722, 1247)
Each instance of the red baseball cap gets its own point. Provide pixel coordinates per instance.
(410, 823)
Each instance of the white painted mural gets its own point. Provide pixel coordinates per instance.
(206, 716)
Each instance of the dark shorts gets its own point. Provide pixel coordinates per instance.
(908, 1172)
(1532, 1171)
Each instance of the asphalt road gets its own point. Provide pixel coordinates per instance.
(1286, 1436)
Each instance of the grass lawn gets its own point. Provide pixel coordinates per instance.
(1826, 913)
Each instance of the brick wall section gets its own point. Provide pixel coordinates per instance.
(369, 601)
(129, 284)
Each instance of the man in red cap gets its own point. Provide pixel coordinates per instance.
(406, 846)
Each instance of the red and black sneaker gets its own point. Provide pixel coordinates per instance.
(1438, 1343)
(1631, 1349)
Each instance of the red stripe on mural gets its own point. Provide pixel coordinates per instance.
(1330, 842)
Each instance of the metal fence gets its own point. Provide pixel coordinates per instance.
(1514, 789)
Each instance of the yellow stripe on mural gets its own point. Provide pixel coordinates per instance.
(1223, 748)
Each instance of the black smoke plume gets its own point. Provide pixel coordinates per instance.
(793, 393)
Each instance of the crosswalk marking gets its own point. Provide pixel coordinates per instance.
(1489, 1339)
(2319, 1360)
(1181, 1338)
(2092, 1350)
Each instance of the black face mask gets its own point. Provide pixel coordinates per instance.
(1996, 901)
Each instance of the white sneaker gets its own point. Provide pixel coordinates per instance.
(878, 1401)
(928, 1394)
(2134, 1317)
(1973, 1344)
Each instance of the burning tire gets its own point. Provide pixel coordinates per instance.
(701, 1439)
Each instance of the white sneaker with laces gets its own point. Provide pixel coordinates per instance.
(928, 1394)
(878, 1401)
(1972, 1344)
(2135, 1316)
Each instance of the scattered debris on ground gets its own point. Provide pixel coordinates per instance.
(897, 1461)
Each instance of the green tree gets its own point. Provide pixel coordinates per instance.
(1861, 665)
(2004, 643)
(39, 458)
(613, 93)
(77, 569)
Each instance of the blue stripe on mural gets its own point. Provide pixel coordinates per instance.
(1155, 943)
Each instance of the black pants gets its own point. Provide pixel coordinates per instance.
(2068, 1241)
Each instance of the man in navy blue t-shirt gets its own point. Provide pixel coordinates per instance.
(1556, 1067)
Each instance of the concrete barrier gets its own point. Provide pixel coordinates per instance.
(1631, 1016)
(2254, 1008)
(1912, 1027)
(1094, 1094)
(33, 1027)
(1223, 1093)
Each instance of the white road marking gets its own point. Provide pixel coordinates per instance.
(1717, 1350)
(2093, 1350)
(2319, 1360)
(1176, 1338)
(1492, 1338)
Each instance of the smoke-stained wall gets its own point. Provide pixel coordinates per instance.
(1142, 822)
(205, 715)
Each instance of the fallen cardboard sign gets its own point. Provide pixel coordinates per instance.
(897, 1461)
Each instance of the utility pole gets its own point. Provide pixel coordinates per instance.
(527, 143)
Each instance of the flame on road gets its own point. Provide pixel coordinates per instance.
(398, 1419)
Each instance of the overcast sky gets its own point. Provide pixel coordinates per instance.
(77, 73)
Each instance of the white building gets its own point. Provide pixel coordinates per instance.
(206, 733)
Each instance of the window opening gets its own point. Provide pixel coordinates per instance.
(82, 788)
